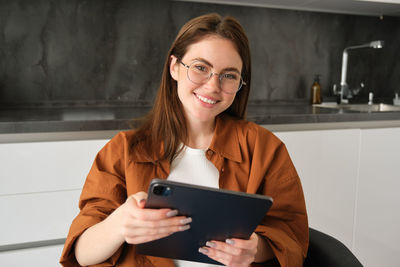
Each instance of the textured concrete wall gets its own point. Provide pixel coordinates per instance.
(107, 50)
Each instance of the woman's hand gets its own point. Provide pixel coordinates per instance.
(130, 222)
(236, 252)
(139, 225)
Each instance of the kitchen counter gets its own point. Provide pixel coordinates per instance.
(89, 118)
(61, 119)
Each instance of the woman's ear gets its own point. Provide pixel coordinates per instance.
(174, 67)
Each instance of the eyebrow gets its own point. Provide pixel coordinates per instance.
(211, 65)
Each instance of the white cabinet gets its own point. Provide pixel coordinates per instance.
(377, 223)
(40, 184)
(351, 182)
(327, 165)
(42, 256)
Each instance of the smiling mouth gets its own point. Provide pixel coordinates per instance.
(206, 100)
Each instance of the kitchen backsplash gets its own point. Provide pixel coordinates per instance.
(113, 50)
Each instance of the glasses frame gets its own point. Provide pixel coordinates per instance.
(209, 77)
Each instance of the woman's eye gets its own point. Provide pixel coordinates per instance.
(230, 76)
(201, 68)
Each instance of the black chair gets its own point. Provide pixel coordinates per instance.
(323, 251)
(326, 251)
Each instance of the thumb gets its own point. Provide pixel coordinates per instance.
(138, 199)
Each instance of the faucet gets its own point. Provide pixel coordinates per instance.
(344, 87)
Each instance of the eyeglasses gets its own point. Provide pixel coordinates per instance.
(199, 72)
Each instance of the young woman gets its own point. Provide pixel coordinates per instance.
(195, 133)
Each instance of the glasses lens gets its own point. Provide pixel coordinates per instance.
(199, 72)
(230, 82)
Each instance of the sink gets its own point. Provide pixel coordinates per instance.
(381, 107)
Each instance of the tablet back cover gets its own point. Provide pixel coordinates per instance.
(217, 214)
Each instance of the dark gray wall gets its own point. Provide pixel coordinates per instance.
(113, 50)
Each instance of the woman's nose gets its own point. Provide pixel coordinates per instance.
(214, 82)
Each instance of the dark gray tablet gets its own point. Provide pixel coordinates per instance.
(217, 214)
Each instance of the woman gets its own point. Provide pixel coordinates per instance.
(197, 119)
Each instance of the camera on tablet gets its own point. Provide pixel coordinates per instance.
(161, 190)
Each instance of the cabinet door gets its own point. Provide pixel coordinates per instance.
(46, 166)
(377, 223)
(41, 256)
(327, 162)
(37, 217)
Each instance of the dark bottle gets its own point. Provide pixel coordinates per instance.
(316, 91)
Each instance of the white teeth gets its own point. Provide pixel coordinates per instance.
(206, 100)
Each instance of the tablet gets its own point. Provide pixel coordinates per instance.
(217, 214)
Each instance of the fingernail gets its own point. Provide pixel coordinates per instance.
(211, 244)
(230, 241)
(184, 227)
(142, 201)
(185, 221)
(172, 213)
(203, 250)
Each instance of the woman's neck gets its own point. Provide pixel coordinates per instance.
(200, 134)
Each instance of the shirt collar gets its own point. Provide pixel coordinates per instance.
(225, 142)
(142, 153)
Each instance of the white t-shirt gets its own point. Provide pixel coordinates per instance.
(192, 167)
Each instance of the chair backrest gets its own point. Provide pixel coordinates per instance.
(327, 251)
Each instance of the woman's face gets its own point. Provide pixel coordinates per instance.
(203, 102)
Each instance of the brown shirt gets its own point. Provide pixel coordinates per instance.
(248, 157)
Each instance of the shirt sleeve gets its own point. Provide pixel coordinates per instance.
(285, 225)
(104, 191)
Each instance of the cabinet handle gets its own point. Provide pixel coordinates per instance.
(35, 244)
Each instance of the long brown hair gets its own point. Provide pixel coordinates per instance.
(165, 126)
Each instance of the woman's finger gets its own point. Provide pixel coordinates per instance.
(141, 235)
(226, 248)
(154, 214)
(242, 243)
(148, 214)
(233, 252)
(175, 221)
(236, 246)
(133, 231)
(143, 239)
(139, 196)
